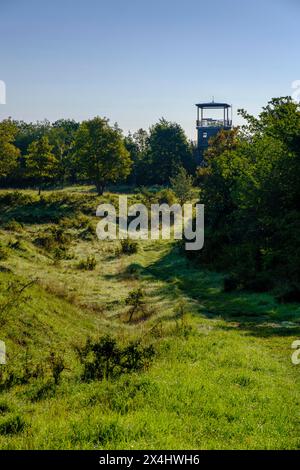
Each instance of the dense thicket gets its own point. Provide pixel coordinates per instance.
(251, 191)
(92, 151)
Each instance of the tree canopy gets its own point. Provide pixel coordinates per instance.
(101, 153)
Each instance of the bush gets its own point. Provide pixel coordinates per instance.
(15, 198)
(89, 264)
(12, 425)
(136, 301)
(27, 370)
(55, 238)
(166, 196)
(3, 252)
(88, 233)
(4, 407)
(16, 245)
(82, 223)
(13, 226)
(129, 247)
(106, 359)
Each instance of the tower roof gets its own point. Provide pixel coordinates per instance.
(213, 105)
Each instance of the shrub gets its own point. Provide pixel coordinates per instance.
(3, 252)
(14, 296)
(62, 253)
(26, 370)
(89, 264)
(166, 196)
(15, 198)
(4, 407)
(12, 425)
(13, 226)
(88, 233)
(129, 247)
(16, 245)
(136, 301)
(56, 237)
(82, 223)
(56, 366)
(106, 359)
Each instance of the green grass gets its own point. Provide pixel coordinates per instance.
(221, 378)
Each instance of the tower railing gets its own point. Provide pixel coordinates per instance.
(214, 123)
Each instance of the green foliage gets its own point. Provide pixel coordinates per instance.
(55, 238)
(88, 264)
(107, 359)
(129, 247)
(40, 161)
(205, 340)
(3, 252)
(13, 226)
(15, 294)
(136, 301)
(168, 150)
(251, 194)
(101, 153)
(166, 196)
(182, 185)
(61, 137)
(8, 152)
(12, 424)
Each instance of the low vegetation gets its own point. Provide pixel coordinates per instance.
(143, 350)
(139, 344)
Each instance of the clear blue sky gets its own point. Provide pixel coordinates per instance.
(135, 61)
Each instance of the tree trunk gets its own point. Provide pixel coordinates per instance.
(100, 188)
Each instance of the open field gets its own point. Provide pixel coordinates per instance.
(221, 376)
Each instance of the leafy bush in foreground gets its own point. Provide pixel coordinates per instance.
(106, 359)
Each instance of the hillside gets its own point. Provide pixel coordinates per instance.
(221, 375)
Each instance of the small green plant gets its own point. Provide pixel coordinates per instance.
(136, 301)
(166, 196)
(57, 366)
(129, 247)
(88, 264)
(3, 252)
(16, 245)
(13, 226)
(4, 407)
(53, 238)
(60, 253)
(106, 359)
(182, 185)
(15, 295)
(183, 326)
(12, 424)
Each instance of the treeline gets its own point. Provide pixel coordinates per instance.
(250, 182)
(251, 191)
(36, 154)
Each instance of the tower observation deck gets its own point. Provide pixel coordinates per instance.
(208, 127)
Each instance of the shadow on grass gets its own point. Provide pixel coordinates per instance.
(258, 314)
(49, 208)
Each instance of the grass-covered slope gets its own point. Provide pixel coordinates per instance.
(221, 376)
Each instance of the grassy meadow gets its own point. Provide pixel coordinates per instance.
(221, 375)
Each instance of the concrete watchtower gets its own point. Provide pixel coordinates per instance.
(208, 127)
